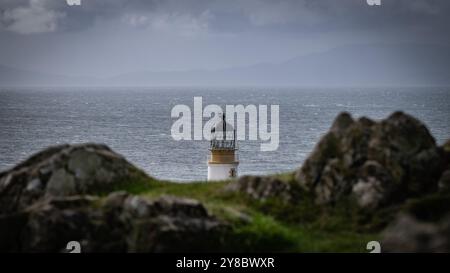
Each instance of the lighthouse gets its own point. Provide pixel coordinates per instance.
(223, 159)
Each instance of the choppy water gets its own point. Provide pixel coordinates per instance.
(136, 122)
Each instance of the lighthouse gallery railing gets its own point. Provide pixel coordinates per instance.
(222, 144)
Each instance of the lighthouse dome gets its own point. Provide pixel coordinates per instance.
(223, 130)
(222, 126)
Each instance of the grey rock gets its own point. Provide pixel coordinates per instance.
(342, 122)
(61, 171)
(369, 192)
(262, 188)
(444, 181)
(61, 183)
(117, 223)
(446, 146)
(408, 234)
(34, 185)
(373, 188)
(377, 163)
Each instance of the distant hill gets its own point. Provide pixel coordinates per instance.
(371, 65)
(13, 76)
(356, 65)
(10, 76)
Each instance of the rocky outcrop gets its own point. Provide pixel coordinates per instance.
(446, 147)
(63, 171)
(118, 223)
(444, 180)
(394, 162)
(408, 234)
(53, 198)
(263, 188)
(377, 163)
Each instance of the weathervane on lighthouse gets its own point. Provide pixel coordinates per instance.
(223, 159)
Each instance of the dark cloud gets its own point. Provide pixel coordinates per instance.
(18, 15)
(227, 16)
(105, 37)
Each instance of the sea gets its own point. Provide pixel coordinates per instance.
(136, 122)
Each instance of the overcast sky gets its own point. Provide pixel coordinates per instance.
(109, 37)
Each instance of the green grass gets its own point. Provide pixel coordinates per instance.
(266, 234)
(270, 225)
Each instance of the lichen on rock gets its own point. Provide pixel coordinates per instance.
(117, 223)
(63, 171)
(262, 188)
(377, 163)
(408, 234)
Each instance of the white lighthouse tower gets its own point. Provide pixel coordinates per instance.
(223, 159)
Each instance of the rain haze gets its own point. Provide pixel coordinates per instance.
(299, 42)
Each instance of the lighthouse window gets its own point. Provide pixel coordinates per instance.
(232, 172)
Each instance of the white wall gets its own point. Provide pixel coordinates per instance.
(220, 171)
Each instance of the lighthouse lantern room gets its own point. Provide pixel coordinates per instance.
(223, 159)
